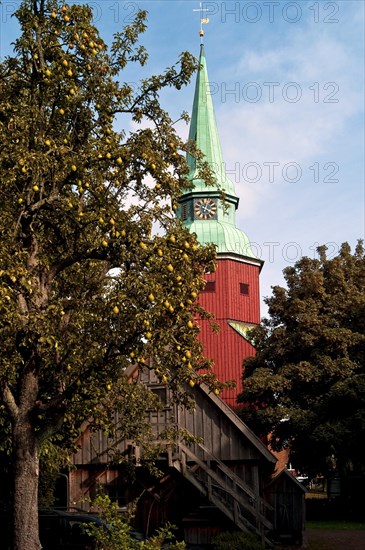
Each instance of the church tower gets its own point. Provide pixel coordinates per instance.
(232, 292)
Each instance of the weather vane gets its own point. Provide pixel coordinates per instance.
(203, 20)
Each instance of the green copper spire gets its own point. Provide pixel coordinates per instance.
(201, 209)
(204, 131)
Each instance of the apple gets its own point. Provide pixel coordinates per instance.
(91, 44)
(119, 160)
(61, 111)
(170, 268)
(108, 156)
(108, 387)
(20, 200)
(105, 243)
(48, 142)
(148, 335)
(35, 188)
(190, 324)
(74, 167)
(188, 354)
(194, 294)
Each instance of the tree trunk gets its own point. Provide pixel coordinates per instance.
(25, 496)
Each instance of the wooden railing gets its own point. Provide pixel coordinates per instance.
(223, 488)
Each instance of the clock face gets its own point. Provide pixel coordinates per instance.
(205, 209)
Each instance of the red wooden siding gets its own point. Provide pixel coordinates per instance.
(230, 302)
(227, 302)
(228, 350)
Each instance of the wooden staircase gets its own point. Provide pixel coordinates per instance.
(224, 489)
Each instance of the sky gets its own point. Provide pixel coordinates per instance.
(287, 81)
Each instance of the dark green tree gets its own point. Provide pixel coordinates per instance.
(306, 385)
(96, 273)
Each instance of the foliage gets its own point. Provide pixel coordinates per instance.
(306, 385)
(86, 290)
(118, 535)
(98, 278)
(237, 541)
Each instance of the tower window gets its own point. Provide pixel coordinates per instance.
(244, 289)
(209, 286)
(184, 212)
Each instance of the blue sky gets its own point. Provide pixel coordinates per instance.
(287, 80)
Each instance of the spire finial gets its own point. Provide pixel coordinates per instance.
(203, 21)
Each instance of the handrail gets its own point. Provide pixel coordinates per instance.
(232, 491)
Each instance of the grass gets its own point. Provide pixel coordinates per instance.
(333, 525)
(331, 543)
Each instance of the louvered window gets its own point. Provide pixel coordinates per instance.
(184, 212)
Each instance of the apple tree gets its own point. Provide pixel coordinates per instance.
(306, 384)
(96, 273)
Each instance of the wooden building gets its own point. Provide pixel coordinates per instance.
(215, 483)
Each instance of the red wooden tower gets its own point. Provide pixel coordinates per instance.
(232, 292)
